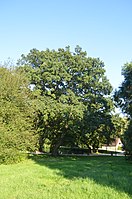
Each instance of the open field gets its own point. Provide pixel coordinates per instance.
(67, 178)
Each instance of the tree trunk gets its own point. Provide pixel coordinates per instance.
(55, 146)
(54, 149)
(41, 144)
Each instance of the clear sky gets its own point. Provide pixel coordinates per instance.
(103, 28)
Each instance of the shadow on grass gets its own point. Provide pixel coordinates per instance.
(114, 172)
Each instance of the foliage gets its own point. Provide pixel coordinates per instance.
(124, 99)
(71, 96)
(15, 124)
(124, 95)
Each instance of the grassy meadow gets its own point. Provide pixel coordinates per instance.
(43, 177)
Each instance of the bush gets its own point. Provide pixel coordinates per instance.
(16, 116)
(10, 156)
(73, 150)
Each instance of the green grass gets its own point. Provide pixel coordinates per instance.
(67, 178)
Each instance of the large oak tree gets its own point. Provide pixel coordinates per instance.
(71, 96)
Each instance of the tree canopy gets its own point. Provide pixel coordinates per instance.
(71, 95)
(123, 96)
(59, 98)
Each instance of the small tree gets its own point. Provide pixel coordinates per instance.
(16, 136)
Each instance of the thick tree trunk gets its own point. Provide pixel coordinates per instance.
(89, 148)
(54, 149)
(55, 146)
(41, 144)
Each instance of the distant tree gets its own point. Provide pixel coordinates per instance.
(123, 96)
(72, 96)
(15, 116)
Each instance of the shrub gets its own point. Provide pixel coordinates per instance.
(10, 156)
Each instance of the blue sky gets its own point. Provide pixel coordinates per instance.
(103, 28)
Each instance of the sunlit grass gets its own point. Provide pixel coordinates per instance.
(67, 178)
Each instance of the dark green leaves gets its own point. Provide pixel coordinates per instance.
(123, 98)
(73, 93)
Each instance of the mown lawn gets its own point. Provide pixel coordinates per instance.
(67, 178)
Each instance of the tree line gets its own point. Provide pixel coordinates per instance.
(60, 98)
